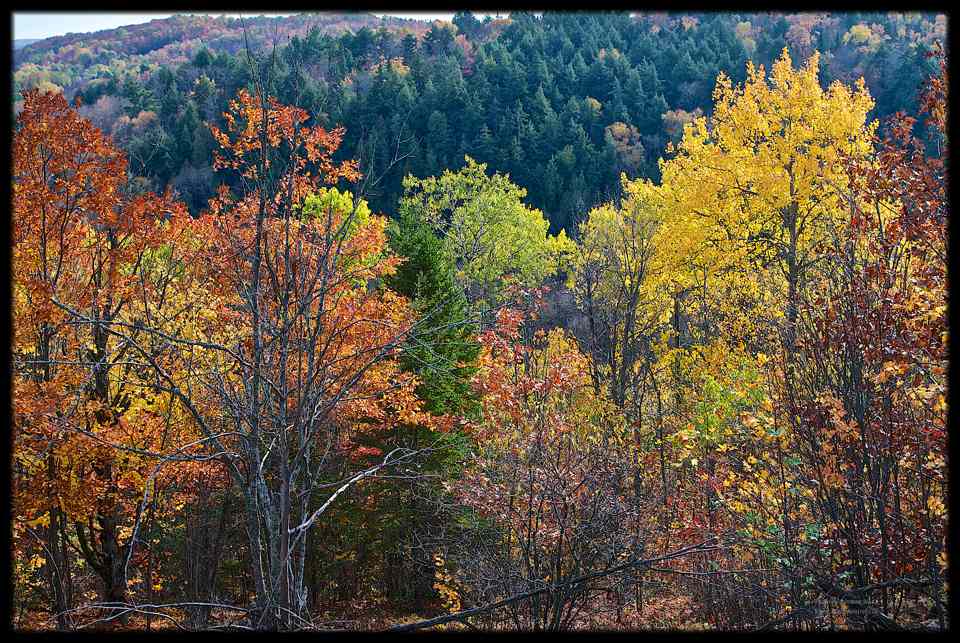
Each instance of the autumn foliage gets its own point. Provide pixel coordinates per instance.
(83, 429)
(722, 404)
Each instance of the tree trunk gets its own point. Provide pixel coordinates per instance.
(57, 563)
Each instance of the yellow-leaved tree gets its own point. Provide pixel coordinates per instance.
(755, 186)
(749, 199)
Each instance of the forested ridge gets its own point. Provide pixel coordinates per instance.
(562, 103)
(548, 322)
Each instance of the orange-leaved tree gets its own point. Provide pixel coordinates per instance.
(89, 426)
(299, 337)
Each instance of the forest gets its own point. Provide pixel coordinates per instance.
(563, 103)
(544, 322)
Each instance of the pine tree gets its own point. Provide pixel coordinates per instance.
(441, 356)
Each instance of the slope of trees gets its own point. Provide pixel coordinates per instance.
(720, 402)
(562, 103)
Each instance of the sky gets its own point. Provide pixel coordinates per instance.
(47, 24)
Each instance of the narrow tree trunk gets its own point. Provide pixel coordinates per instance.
(56, 561)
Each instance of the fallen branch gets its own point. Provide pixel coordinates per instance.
(463, 615)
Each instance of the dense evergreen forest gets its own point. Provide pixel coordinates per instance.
(545, 322)
(562, 103)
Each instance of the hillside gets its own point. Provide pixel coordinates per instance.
(20, 43)
(171, 41)
(563, 103)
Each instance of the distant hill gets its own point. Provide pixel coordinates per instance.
(176, 39)
(20, 43)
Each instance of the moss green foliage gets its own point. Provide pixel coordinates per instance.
(491, 235)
